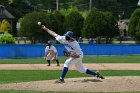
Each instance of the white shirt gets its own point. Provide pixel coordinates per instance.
(50, 50)
(70, 46)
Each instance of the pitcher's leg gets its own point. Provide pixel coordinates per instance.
(68, 63)
(82, 69)
(61, 79)
(64, 72)
(91, 72)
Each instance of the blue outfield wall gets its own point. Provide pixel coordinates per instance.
(37, 50)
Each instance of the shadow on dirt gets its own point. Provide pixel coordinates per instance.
(89, 80)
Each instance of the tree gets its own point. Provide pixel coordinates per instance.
(74, 22)
(91, 26)
(59, 21)
(30, 29)
(111, 28)
(4, 2)
(134, 24)
(100, 24)
(138, 31)
(5, 26)
(19, 7)
(7, 39)
(118, 7)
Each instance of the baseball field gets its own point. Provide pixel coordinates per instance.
(122, 75)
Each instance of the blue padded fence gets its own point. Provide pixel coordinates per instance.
(37, 50)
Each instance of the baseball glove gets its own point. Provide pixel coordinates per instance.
(66, 53)
(70, 54)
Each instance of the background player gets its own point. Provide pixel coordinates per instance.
(72, 46)
(51, 54)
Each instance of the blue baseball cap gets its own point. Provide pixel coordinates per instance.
(49, 42)
(69, 34)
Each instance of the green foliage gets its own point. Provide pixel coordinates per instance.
(138, 31)
(74, 22)
(10, 1)
(99, 24)
(87, 30)
(7, 39)
(19, 7)
(64, 12)
(85, 14)
(5, 26)
(58, 20)
(117, 7)
(110, 28)
(4, 2)
(67, 11)
(134, 24)
(93, 24)
(30, 29)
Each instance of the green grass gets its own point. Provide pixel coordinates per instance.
(112, 59)
(28, 61)
(86, 59)
(21, 91)
(124, 42)
(7, 76)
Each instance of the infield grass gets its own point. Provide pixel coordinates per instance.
(86, 59)
(7, 76)
(12, 76)
(21, 91)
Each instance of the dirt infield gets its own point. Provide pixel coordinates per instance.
(101, 66)
(110, 84)
(86, 84)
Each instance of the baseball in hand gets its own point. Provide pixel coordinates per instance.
(39, 23)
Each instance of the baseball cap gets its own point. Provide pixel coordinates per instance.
(69, 34)
(49, 42)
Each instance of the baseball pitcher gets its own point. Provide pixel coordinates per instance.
(75, 54)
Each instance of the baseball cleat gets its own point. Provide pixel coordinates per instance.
(60, 81)
(99, 75)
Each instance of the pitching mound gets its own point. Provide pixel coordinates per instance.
(88, 84)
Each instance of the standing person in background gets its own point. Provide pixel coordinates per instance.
(90, 41)
(75, 54)
(51, 54)
(80, 40)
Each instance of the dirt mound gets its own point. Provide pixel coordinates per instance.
(88, 84)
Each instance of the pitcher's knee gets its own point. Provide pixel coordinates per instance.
(67, 65)
(82, 70)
